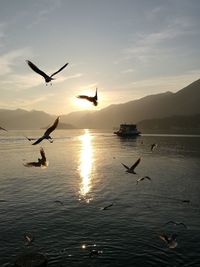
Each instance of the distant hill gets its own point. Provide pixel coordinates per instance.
(62, 126)
(170, 125)
(146, 112)
(183, 103)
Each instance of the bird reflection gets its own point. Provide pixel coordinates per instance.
(85, 168)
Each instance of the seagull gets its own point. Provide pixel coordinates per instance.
(185, 201)
(29, 238)
(92, 99)
(143, 178)
(59, 201)
(153, 146)
(132, 168)
(1, 128)
(46, 77)
(30, 139)
(107, 207)
(47, 133)
(171, 240)
(177, 223)
(40, 163)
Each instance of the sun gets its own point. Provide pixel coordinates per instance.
(82, 103)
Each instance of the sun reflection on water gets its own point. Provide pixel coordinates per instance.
(85, 168)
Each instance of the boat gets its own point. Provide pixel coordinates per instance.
(127, 130)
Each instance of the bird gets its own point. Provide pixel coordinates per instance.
(29, 139)
(132, 168)
(92, 99)
(59, 201)
(176, 223)
(29, 238)
(107, 207)
(40, 163)
(143, 178)
(48, 132)
(185, 201)
(170, 241)
(153, 146)
(3, 129)
(45, 76)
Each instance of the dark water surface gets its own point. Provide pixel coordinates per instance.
(85, 173)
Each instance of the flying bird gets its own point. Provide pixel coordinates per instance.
(132, 168)
(40, 163)
(107, 207)
(59, 202)
(29, 238)
(153, 146)
(92, 99)
(30, 139)
(170, 241)
(177, 223)
(45, 76)
(143, 178)
(3, 129)
(48, 132)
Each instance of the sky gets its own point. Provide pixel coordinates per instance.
(126, 48)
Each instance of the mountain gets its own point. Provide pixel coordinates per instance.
(172, 125)
(183, 103)
(167, 105)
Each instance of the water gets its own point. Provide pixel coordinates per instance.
(85, 173)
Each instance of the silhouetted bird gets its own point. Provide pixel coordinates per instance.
(59, 201)
(1, 128)
(43, 74)
(107, 207)
(170, 241)
(176, 223)
(153, 146)
(92, 99)
(29, 238)
(143, 178)
(48, 132)
(132, 168)
(40, 163)
(30, 139)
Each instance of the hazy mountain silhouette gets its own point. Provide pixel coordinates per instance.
(182, 103)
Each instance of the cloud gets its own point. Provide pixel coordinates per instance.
(45, 7)
(9, 60)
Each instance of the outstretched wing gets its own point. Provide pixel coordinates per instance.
(1, 128)
(53, 127)
(42, 154)
(32, 164)
(135, 164)
(36, 69)
(84, 97)
(59, 70)
(164, 238)
(38, 141)
(96, 97)
(125, 166)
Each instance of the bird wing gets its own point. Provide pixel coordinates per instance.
(96, 97)
(32, 164)
(147, 177)
(38, 141)
(1, 128)
(59, 70)
(106, 207)
(84, 97)
(36, 69)
(164, 238)
(125, 166)
(42, 154)
(52, 128)
(183, 225)
(135, 164)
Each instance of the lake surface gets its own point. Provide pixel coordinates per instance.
(85, 173)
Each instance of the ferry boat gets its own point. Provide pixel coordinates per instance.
(127, 130)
